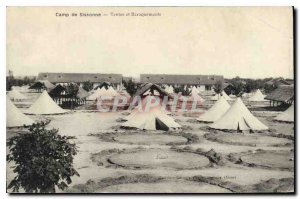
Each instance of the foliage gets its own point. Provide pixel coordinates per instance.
(87, 85)
(249, 85)
(237, 85)
(181, 89)
(252, 85)
(43, 159)
(12, 81)
(218, 87)
(269, 88)
(130, 86)
(72, 89)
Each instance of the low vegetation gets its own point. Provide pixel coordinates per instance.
(43, 160)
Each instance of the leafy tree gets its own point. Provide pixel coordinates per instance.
(43, 159)
(269, 88)
(9, 80)
(218, 87)
(130, 86)
(12, 81)
(184, 91)
(253, 84)
(87, 85)
(72, 90)
(237, 85)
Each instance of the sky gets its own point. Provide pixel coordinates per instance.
(250, 42)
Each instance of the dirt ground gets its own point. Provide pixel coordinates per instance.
(154, 156)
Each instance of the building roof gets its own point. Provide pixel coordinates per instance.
(80, 77)
(180, 79)
(58, 89)
(283, 93)
(147, 86)
(42, 84)
(289, 81)
(280, 81)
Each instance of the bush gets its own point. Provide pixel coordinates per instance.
(11, 81)
(131, 87)
(218, 87)
(43, 159)
(181, 89)
(87, 85)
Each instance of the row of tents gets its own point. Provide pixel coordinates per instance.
(224, 117)
(257, 96)
(238, 117)
(44, 105)
(15, 95)
(109, 91)
(221, 115)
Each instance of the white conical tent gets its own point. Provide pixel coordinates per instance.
(217, 96)
(138, 109)
(183, 98)
(195, 90)
(44, 105)
(166, 87)
(216, 111)
(238, 117)
(287, 115)
(152, 119)
(20, 88)
(16, 95)
(14, 117)
(97, 94)
(196, 97)
(225, 95)
(169, 89)
(112, 92)
(245, 95)
(257, 96)
(125, 93)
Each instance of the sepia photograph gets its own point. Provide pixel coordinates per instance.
(147, 100)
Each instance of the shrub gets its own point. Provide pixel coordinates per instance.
(131, 87)
(87, 85)
(43, 159)
(181, 89)
(218, 87)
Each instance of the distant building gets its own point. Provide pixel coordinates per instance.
(96, 78)
(280, 82)
(41, 85)
(284, 94)
(203, 82)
